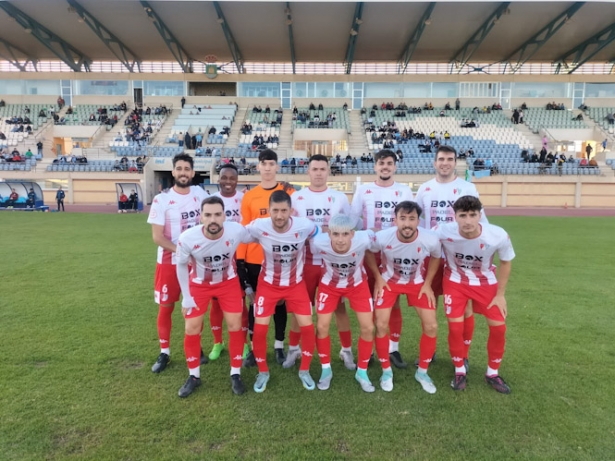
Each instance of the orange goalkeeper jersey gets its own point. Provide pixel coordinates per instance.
(254, 205)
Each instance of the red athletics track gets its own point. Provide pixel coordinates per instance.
(491, 211)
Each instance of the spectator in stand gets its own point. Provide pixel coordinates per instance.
(588, 151)
(457, 104)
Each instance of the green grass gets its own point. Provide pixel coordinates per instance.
(79, 328)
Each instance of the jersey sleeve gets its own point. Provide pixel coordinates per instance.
(245, 236)
(246, 218)
(356, 208)
(505, 249)
(182, 252)
(407, 194)
(372, 245)
(156, 213)
(420, 194)
(313, 230)
(434, 246)
(345, 208)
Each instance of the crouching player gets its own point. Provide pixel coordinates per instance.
(283, 241)
(342, 251)
(209, 249)
(404, 251)
(469, 274)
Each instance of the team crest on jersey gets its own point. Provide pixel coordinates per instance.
(418, 250)
(354, 254)
(297, 235)
(236, 201)
(331, 199)
(396, 193)
(195, 199)
(230, 242)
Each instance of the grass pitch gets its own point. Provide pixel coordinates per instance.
(79, 327)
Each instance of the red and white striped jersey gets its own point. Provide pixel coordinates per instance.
(318, 207)
(470, 261)
(344, 270)
(232, 206)
(404, 263)
(374, 206)
(211, 261)
(437, 199)
(284, 253)
(176, 212)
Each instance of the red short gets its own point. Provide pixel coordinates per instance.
(267, 296)
(228, 294)
(359, 296)
(166, 285)
(456, 296)
(370, 276)
(412, 295)
(311, 276)
(436, 284)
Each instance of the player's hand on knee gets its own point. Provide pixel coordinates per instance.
(379, 286)
(427, 291)
(500, 302)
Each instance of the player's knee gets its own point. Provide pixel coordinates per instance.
(322, 330)
(382, 326)
(430, 328)
(192, 328)
(367, 332)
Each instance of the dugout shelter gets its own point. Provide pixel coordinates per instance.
(127, 188)
(22, 188)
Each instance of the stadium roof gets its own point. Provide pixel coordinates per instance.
(131, 31)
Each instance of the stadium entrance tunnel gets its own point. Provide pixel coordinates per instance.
(126, 200)
(22, 188)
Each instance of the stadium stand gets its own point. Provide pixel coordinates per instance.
(10, 115)
(603, 116)
(83, 114)
(536, 118)
(327, 117)
(261, 125)
(213, 121)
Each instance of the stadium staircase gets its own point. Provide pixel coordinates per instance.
(166, 129)
(357, 144)
(285, 147)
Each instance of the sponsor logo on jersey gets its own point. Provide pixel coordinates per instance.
(285, 248)
(385, 204)
(344, 265)
(318, 212)
(172, 202)
(231, 213)
(217, 258)
(195, 247)
(468, 257)
(442, 203)
(191, 214)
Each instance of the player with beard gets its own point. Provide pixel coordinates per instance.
(404, 249)
(231, 197)
(374, 206)
(436, 197)
(319, 203)
(209, 250)
(171, 213)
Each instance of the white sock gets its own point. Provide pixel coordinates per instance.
(393, 346)
(165, 350)
(387, 370)
(491, 372)
(235, 371)
(196, 372)
(346, 349)
(422, 370)
(460, 370)
(278, 344)
(326, 366)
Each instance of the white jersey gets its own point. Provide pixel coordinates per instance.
(437, 199)
(211, 261)
(176, 212)
(470, 261)
(374, 206)
(284, 253)
(318, 207)
(232, 206)
(404, 263)
(344, 270)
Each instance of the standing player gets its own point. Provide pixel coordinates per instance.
(436, 197)
(342, 252)
(283, 241)
(374, 204)
(255, 205)
(231, 198)
(469, 274)
(318, 203)
(209, 249)
(404, 249)
(172, 212)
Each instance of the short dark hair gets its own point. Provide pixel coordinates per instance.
(183, 158)
(230, 166)
(280, 196)
(408, 206)
(267, 154)
(467, 203)
(318, 158)
(445, 148)
(212, 200)
(385, 153)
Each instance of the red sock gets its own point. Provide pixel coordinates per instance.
(427, 348)
(244, 323)
(259, 346)
(346, 338)
(455, 342)
(236, 340)
(495, 345)
(165, 322)
(308, 344)
(365, 352)
(192, 349)
(382, 349)
(395, 324)
(215, 321)
(468, 333)
(324, 349)
(293, 339)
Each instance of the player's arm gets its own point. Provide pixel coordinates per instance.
(183, 277)
(503, 275)
(249, 236)
(379, 283)
(160, 239)
(356, 209)
(432, 269)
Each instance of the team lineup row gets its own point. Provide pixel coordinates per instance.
(295, 250)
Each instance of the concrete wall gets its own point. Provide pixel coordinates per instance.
(325, 134)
